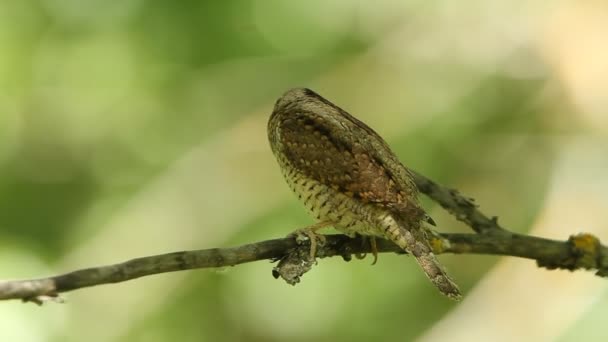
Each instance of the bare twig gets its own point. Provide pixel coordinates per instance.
(582, 251)
(463, 208)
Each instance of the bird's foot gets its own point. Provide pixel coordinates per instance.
(310, 233)
(374, 247)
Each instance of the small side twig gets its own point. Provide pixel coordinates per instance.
(461, 207)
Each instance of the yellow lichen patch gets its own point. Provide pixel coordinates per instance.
(587, 247)
(437, 245)
(585, 242)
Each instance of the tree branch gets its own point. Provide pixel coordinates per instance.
(582, 251)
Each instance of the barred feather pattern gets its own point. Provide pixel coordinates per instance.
(346, 174)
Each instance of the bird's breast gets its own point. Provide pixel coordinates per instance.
(326, 203)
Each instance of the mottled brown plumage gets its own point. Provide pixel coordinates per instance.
(347, 175)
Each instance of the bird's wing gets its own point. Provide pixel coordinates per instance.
(342, 152)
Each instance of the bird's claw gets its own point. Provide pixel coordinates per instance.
(374, 248)
(310, 234)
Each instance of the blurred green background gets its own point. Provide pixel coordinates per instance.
(133, 127)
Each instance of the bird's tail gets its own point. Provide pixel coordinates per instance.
(415, 241)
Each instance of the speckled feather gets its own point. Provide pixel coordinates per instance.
(346, 174)
(314, 147)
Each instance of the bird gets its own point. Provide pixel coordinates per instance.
(347, 177)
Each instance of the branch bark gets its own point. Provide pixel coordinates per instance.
(582, 251)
